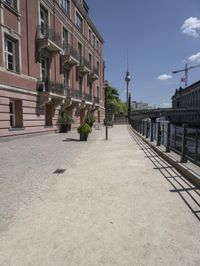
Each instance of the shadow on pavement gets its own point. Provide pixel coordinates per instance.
(70, 139)
(189, 193)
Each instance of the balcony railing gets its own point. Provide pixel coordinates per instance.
(72, 93)
(69, 50)
(46, 32)
(96, 99)
(88, 97)
(87, 63)
(52, 87)
(96, 71)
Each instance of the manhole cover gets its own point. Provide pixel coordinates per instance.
(59, 171)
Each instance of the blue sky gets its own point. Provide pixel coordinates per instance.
(151, 32)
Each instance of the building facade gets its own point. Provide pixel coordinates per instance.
(51, 61)
(188, 98)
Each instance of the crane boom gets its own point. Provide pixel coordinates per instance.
(186, 72)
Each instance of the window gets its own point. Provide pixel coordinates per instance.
(98, 67)
(94, 40)
(79, 52)
(79, 21)
(90, 60)
(66, 78)
(90, 36)
(97, 91)
(11, 55)
(44, 68)
(65, 4)
(97, 45)
(43, 21)
(16, 114)
(12, 3)
(65, 40)
(90, 89)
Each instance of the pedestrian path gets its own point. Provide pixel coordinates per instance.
(118, 203)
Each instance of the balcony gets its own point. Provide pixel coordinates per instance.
(70, 55)
(84, 66)
(74, 94)
(87, 97)
(94, 75)
(96, 100)
(49, 39)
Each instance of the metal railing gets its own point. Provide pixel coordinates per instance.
(96, 99)
(69, 50)
(180, 139)
(46, 32)
(88, 97)
(77, 94)
(52, 86)
(96, 71)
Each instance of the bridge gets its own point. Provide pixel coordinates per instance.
(160, 112)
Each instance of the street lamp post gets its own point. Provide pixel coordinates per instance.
(106, 107)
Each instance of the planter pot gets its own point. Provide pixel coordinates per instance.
(83, 137)
(64, 128)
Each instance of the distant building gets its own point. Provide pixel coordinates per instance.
(187, 98)
(140, 105)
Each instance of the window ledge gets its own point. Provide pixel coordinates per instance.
(48, 126)
(16, 128)
(13, 10)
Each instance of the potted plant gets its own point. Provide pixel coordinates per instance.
(84, 130)
(90, 119)
(65, 120)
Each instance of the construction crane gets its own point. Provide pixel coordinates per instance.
(186, 72)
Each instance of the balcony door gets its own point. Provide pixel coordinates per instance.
(45, 70)
(79, 52)
(65, 40)
(43, 21)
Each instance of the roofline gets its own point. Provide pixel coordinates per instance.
(86, 16)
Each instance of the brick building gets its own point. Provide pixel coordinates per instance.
(51, 60)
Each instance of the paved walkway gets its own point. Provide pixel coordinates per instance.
(117, 203)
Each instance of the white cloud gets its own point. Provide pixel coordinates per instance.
(164, 77)
(165, 105)
(191, 26)
(195, 57)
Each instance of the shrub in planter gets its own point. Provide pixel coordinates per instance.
(65, 120)
(84, 130)
(90, 119)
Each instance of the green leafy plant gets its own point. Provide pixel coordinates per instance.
(65, 119)
(85, 129)
(90, 119)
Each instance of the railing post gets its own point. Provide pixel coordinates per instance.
(158, 134)
(143, 128)
(168, 137)
(183, 150)
(147, 129)
(151, 134)
(175, 137)
(196, 145)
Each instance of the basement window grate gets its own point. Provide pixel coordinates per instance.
(59, 171)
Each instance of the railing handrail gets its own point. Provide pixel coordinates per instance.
(45, 31)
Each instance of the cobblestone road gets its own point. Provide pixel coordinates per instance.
(27, 164)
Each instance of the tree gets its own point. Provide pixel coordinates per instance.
(114, 104)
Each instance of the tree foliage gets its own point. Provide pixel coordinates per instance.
(114, 103)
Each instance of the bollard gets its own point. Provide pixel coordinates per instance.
(147, 129)
(158, 134)
(183, 150)
(168, 137)
(151, 134)
(196, 145)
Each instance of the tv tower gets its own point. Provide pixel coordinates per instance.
(127, 80)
